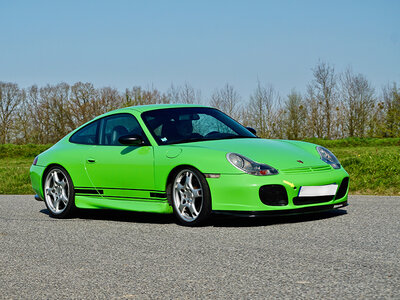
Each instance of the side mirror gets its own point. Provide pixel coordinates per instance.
(131, 140)
(252, 130)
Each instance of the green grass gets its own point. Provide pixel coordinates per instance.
(373, 165)
(356, 142)
(15, 161)
(22, 151)
(14, 176)
(372, 170)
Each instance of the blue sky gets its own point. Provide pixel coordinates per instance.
(205, 43)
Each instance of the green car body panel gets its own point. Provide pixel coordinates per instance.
(136, 177)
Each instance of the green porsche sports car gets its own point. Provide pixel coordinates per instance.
(189, 160)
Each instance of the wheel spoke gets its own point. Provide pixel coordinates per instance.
(180, 187)
(56, 178)
(193, 210)
(64, 199)
(56, 204)
(181, 207)
(197, 193)
(63, 183)
(188, 181)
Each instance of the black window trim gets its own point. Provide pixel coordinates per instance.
(98, 129)
(80, 129)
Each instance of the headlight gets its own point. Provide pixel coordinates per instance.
(250, 167)
(328, 157)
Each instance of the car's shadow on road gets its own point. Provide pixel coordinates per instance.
(213, 221)
(232, 221)
(119, 216)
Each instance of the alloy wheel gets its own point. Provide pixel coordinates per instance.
(56, 191)
(187, 195)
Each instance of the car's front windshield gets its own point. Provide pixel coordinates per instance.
(190, 124)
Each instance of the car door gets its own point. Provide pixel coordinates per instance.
(118, 171)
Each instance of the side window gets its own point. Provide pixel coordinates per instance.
(115, 126)
(87, 135)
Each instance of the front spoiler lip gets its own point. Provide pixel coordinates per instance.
(289, 212)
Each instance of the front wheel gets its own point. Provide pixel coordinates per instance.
(191, 199)
(59, 193)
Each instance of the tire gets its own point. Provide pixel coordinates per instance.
(59, 192)
(190, 197)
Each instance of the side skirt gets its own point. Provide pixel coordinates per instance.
(123, 203)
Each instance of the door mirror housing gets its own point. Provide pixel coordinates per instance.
(131, 140)
(252, 130)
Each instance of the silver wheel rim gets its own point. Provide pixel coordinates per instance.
(56, 191)
(187, 195)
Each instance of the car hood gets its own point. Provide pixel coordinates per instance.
(279, 154)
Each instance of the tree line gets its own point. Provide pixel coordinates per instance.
(335, 105)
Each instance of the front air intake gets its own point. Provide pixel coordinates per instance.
(311, 200)
(343, 188)
(274, 195)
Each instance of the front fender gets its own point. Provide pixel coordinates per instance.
(167, 158)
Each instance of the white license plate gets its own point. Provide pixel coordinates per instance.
(320, 190)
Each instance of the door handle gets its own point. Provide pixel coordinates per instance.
(91, 160)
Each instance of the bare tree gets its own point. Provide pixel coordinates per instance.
(173, 93)
(10, 98)
(108, 99)
(140, 96)
(23, 125)
(315, 120)
(60, 114)
(261, 110)
(81, 103)
(184, 94)
(391, 103)
(226, 99)
(189, 95)
(37, 115)
(295, 116)
(323, 89)
(358, 102)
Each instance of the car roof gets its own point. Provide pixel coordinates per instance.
(143, 108)
(149, 107)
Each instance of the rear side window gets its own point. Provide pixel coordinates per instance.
(87, 135)
(116, 126)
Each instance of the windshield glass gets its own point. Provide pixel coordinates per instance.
(190, 124)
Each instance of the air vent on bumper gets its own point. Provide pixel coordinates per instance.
(343, 188)
(274, 195)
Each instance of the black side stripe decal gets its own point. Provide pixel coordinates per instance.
(88, 191)
(110, 188)
(158, 195)
(123, 197)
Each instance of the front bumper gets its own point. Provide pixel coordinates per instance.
(241, 192)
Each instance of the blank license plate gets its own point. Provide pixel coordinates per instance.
(320, 190)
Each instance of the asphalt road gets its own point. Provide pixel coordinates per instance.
(123, 255)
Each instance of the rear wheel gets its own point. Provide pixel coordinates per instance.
(59, 192)
(190, 197)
